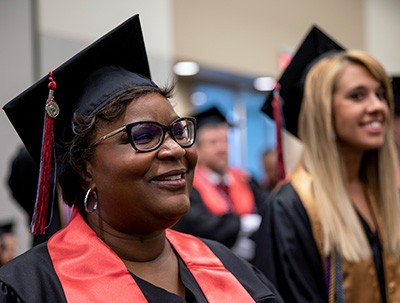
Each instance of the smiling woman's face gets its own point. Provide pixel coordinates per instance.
(360, 109)
(140, 192)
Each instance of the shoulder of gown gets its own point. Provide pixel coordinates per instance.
(285, 248)
(30, 277)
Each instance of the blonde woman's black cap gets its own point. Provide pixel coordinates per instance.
(315, 45)
(84, 84)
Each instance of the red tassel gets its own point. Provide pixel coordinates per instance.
(276, 105)
(38, 225)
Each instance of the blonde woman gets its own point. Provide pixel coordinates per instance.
(332, 232)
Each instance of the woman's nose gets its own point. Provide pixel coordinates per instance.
(171, 148)
(376, 103)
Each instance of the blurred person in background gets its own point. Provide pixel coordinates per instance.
(396, 121)
(269, 160)
(8, 243)
(224, 201)
(22, 182)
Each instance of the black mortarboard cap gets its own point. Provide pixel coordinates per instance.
(396, 94)
(123, 46)
(210, 117)
(84, 84)
(6, 228)
(315, 45)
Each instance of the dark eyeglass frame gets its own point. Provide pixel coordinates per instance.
(165, 128)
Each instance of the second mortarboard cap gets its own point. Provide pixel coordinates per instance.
(6, 228)
(210, 117)
(84, 84)
(314, 46)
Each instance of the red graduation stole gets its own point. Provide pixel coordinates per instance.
(239, 192)
(89, 270)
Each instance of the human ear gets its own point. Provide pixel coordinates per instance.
(87, 175)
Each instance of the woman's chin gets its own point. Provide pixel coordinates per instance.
(173, 210)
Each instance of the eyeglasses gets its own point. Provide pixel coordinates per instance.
(146, 136)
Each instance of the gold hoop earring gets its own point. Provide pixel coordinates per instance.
(85, 201)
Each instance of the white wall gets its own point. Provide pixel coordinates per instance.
(247, 36)
(382, 32)
(16, 73)
(79, 22)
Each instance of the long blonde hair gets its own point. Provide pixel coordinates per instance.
(341, 226)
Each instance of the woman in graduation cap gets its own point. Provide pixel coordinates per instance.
(332, 232)
(126, 165)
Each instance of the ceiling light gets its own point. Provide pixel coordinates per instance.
(186, 68)
(264, 83)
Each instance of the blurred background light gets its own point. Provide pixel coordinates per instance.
(186, 68)
(199, 98)
(264, 83)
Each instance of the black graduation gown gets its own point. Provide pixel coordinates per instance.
(200, 222)
(31, 278)
(287, 253)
